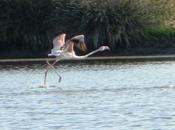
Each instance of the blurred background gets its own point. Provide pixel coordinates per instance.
(129, 27)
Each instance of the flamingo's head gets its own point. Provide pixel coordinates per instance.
(103, 48)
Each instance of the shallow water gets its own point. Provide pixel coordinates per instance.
(111, 96)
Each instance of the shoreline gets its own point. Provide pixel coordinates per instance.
(92, 59)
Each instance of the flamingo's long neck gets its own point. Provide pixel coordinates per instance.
(85, 56)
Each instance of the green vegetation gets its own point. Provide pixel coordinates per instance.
(159, 37)
(26, 24)
(121, 24)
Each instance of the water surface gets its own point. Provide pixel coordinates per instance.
(111, 96)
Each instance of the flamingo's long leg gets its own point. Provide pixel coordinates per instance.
(45, 76)
(52, 66)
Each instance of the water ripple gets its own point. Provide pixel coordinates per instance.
(114, 96)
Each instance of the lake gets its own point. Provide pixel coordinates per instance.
(95, 96)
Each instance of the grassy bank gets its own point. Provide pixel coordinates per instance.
(90, 60)
(131, 52)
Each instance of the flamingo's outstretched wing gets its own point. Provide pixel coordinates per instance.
(78, 38)
(58, 43)
(79, 42)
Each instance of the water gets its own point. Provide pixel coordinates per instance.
(111, 96)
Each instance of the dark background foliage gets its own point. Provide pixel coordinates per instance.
(30, 25)
(25, 24)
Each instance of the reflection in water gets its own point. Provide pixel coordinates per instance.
(107, 96)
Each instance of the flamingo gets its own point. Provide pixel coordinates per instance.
(65, 50)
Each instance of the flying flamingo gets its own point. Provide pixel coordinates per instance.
(65, 50)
